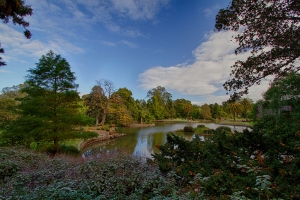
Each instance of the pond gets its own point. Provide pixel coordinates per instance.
(142, 141)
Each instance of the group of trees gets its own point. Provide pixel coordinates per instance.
(47, 107)
(119, 107)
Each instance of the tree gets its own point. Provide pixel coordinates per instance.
(234, 109)
(270, 30)
(93, 103)
(205, 111)
(127, 99)
(15, 10)
(50, 110)
(246, 105)
(196, 113)
(183, 108)
(158, 102)
(107, 89)
(8, 101)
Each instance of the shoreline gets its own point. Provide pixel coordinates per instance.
(102, 136)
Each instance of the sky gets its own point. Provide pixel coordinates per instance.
(137, 44)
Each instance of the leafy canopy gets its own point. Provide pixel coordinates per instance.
(269, 29)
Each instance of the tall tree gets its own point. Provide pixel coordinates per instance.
(183, 108)
(50, 110)
(107, 88)
(234, 109)
(205, 111)
(15, 10)
(93, 103)
(127, 99)
(158, 102)
(246, 105)
(270, 30)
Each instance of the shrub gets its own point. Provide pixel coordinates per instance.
(201, 126)
(188, 129)
(223, 130)
(69, 150)
(120, 176)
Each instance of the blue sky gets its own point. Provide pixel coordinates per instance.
(137, 44)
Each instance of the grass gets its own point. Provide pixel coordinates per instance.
(73, 142)
(235, 123)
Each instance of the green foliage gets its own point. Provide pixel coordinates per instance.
(201, 126)
(223, 130)
(188, 129)
(36, 176)
(159, 102)
(33, 145)
(183, 108)
(202, 129)
(206, 112)
(93, 103)
(261, 163)
(50, 111)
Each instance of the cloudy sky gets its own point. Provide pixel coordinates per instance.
(137, 44)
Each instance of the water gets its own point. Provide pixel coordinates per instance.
(142, 141)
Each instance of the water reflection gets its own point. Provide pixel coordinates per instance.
(142, 141)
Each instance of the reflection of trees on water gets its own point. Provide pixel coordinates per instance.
(142, 141)
(126, 143)
(155, 139)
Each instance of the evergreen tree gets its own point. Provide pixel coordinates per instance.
(51, 110)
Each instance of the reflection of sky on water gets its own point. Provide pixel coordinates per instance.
(142, 141)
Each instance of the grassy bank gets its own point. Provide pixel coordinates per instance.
(235, 123)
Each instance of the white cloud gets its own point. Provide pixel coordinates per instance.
(4, 71)
(138, 9)
(105, 12)
(15, 45)
(122, 42)
(129, 44)
(205, 76)
(107, 43)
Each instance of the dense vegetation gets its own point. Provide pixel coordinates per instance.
(260, 163)
(28, 175)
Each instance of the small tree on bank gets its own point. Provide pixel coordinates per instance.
(50, 111)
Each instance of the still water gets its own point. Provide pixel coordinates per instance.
(142, 141)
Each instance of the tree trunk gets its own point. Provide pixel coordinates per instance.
(55, 146)
(97, 120)
(103, 118)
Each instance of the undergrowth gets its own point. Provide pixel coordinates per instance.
(25, 174)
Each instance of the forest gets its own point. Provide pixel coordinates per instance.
(261, 162)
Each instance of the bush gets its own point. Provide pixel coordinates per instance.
(120, 176)
(188, 129)
(201, 126)
(223, 130)
(69, 150)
